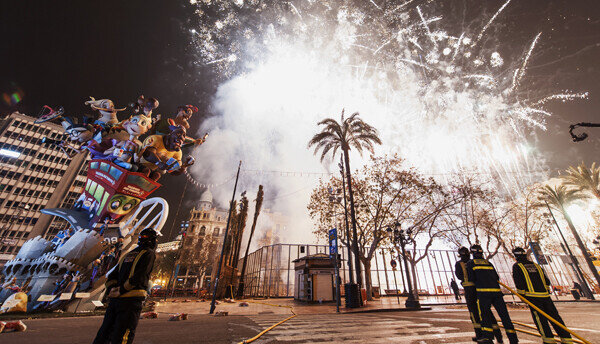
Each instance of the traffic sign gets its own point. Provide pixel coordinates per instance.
(537, 253)
(333, 243)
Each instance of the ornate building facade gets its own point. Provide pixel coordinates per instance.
(201, 244)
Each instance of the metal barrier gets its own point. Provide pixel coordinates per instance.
(270, 270)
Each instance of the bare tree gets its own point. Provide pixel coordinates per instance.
(386, 193)
(528, 222)
(481, 216)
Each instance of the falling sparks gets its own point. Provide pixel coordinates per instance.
(489, 23)
(520, 73)
(447, 104)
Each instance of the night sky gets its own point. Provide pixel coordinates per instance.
(62, 52)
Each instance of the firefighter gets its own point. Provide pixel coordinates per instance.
(460, 269)
(127, 286)
(485, 277)
(533, 284)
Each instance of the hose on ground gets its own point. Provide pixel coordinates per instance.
(535, 328)
(250, 340)
(544, 314)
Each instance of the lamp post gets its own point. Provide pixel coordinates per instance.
(335, 197)
(402, 238)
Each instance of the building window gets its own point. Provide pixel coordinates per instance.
(216, 232)
(202, 230)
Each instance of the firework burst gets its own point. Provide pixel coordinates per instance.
(441, 97)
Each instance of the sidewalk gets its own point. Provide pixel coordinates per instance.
(282, 305)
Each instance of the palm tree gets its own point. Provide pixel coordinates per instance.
(351, 132)
(259, 201)
(584, 178)
(559, 197)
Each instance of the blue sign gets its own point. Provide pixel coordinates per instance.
(333, 243)
(537, 253)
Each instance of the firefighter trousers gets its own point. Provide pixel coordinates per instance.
(471, 300)
(120, 321)
(485, 301)
(543, 324)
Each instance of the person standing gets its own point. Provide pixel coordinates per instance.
(577, 291)
(127, 287)
(460, 270)
(489, 294)
(455, 289)
(533, 284)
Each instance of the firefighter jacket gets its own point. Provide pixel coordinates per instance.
(460, 270)
(484, 275)
(530, 279)
(132, 274)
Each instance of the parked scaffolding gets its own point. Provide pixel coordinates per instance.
(270, 270)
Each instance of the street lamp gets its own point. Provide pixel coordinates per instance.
(403, 238)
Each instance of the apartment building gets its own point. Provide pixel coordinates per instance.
(33, 176)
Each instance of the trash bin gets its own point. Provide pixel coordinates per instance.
(576, 294)
(352, 296)
(375, 292)
(363, 296)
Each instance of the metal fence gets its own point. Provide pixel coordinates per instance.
(270, 270)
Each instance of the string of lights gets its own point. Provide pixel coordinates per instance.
(304, 174)
(206, 186)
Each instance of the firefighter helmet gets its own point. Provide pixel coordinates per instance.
(463, 252)
(147, 238)
(519, 253)
(476, 249)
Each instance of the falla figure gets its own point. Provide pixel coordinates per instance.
(162, 153)
(126, 152)
(106, 110)
(184, 113)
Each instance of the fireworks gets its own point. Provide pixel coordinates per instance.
(446, 102)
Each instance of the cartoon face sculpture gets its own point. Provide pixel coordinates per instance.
(106, 109)
(137, 125)
(184, 113)
(145, 105)
(80, 134)
(120, 205)
(175, 139)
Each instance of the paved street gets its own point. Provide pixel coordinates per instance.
(440, 325)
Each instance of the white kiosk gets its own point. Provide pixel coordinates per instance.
(315, 275)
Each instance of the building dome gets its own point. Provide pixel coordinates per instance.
(206, 199)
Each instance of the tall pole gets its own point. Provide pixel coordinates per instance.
(350, 269)
(411, 301)
(584, 251)
(357, 268)
(574, 261)
(214, 296)
(337, 274)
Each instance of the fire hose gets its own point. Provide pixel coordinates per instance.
(250, 340)
(544, 314)
(535, 328)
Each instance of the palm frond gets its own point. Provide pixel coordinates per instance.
(351, 132)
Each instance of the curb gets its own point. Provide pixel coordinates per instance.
(387, 310)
